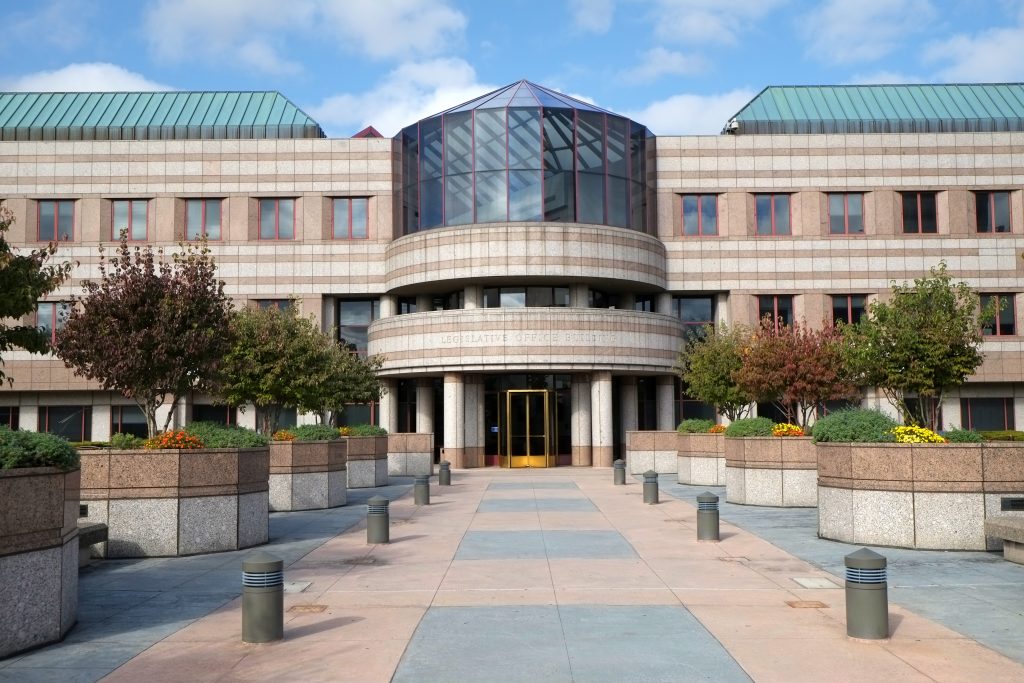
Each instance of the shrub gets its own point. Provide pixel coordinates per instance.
(215, 435)
(854, 425)
(125, 441)
(717, 429)
(915, 434)
(34, 449)
(750, 426)
(283, 435)
(786, 429)
(695, 426)
(173, 439)
(315, 433)
(363, 430)
(962, 436)
(1003, 435)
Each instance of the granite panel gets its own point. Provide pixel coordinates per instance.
(993, 503)
(888, 463)
(707, 471)
(143, 527)
(641, 441)
(1003, 466)
(835, 513)
(883, 518)
(380, 471)
(208, 467)
(638, 462)
(207, 524)
(704, 445)
(798, 452)
(337, 488)
(397, 463)
(834, 460)
(95, 466)
(949, 521)
(799, 488)
(280, 492)
(309, 491)
(419, 463)
(30, 592)
(683, 469)
(253, 469)
(666, 441)
(721, 471)
(735, 485)
(763, 487)
(143, 469)
(253, 519)
(69, 584)
(72, 497)
(954, 463)
(361, 474)
(311, 454)
(665, 462)
(31, 501)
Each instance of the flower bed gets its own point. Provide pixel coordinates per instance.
(776, 471)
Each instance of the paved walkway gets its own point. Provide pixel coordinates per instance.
(534, 576)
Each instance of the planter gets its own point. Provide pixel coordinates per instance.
(307, 475)
(775, 471)
(177, 502)
(38, 556)
(410, 454)
(367, 461)
(929, 496)
(651, 451)
(701, 459)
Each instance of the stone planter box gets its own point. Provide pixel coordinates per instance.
(367, 461)
(38, 556)
(651, 451)
(701, 459)
(775, 471)
(177, 502)
(308, 475)
(410, 454)
(933, 496)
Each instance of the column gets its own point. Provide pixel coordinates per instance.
(328, 313)
(425, 405)
(602, 445)
(388, 305)
(951, 414)
(664, 303)
(101, 422)
(388, 405)
(454, 411)
(666, 400)
(627, 301)
(581, 425)
(627, 408)
(473, 296)
(473, 425)
(424, 303)
(579, 296)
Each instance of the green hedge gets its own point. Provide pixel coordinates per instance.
(126, 441)
(962, 436)
(1003, 435)
(750, 426)
(34, 449)
(695, 426)
(367, 430)
(315, 433)
(854, 425)
(215, 435)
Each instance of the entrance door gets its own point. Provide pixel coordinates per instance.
(527, 428)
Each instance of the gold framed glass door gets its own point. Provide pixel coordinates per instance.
(528, 428)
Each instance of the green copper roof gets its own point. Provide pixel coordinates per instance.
(152, 116)
(949, 108)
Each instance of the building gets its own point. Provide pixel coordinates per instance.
(526, 262)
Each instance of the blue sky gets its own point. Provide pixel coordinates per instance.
(679, 66)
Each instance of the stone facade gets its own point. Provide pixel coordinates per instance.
(307, 475)
(701, 460)
(774, 471)
(410, 454)
(367, 461)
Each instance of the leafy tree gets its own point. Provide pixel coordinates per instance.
(149, 328)
(24, 279)
(920, 344)
(796, 368)
(280, 360)
(707, 365)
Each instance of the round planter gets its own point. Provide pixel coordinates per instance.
(307, 475)
(410, 454)
(367, 461)
(651, 450)
(774, 471)
(701, 459)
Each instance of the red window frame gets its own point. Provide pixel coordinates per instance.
(347, 235)
(968, 419)
(775, 230)
(115, 231)
(846, 213)
(920, 214)
(991, 196)
(849, 307)
(775, 308)
(700, 214)
(55, 312)
(86, 426)
(12, 416)
(1010, 301)
(202, 220)
(277, 218)
(70, 237)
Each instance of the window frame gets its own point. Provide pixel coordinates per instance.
(43, 419)
(990, 228)
(56, 219)
(700, 215)
(774, 229)
(277, 219)
(13, 417)
(846, 212)
(366, 215)
(115, 232)
(202, 227)
(117, 419)
(58, 324)
(917, 194)
(849, 308)
(967, 421)
(775, 309)
(1010, 297)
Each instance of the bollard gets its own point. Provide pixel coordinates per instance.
(262, 598)
(444, 474)
(867, 595)
(651, 487)
(619, 472)
(377, 520)
(421, 490)
(707, 517)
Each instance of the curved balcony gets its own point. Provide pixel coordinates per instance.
(526, 250)
(526, 339)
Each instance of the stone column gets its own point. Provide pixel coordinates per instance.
(627, 301)
(424, 303)
(581, 423)
(627, 408)
(601, 419)
(579, 296)
(389, 406)
(663, 303)
(388, 305)
(473, 296)
(454, 415)
(951, 414)
(100, 429)
(473, 425)
(666, 401)
(329, 315)
(425, 405)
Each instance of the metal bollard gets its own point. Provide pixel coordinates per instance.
(421, 490)
(262, 598)
(378, 520)
(651, 487)
(619, 472)
(867, 595)
(444, 474)
(707, 517)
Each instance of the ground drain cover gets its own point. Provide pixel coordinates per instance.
(806, 604)
(815, 582)
(307, 609)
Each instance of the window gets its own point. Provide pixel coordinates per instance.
(646, 403)
(286, 417)
(772, 214)
(448, 302)
(919, 214)
(51, 316)
(987, 414)
(695, 312)
(776, 307)
(277, 219)
(993, 209)
(9, 417)
(222, 415)
(56, 220)
(349, 218)
(526, 297)
(280, 304)
(644, 302)
(406, 304)
(358, 414)
(700, 214)
(130, 216)
(128, 420)
(848, 308)
(354, 318)
(846, 214)
(74, 423)
(1003, 320)
(202, 219)
(406, 405)
(598, 298)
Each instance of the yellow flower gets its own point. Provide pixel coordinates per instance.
(915, 434)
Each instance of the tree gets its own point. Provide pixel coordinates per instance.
(920, 344)
(796, 368)
(24, 279)
(149, 328)
(707, 365)
(280, 360)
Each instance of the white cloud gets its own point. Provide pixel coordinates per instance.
(407, 94)
(396, 28)
(59, 22)
(687, 114)
(707, 21)
(98, 76)
(885, 78)
(849, 31)
(996, 54)
(592, 16)
(658, 62)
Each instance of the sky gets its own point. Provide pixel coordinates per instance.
(678, 66)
